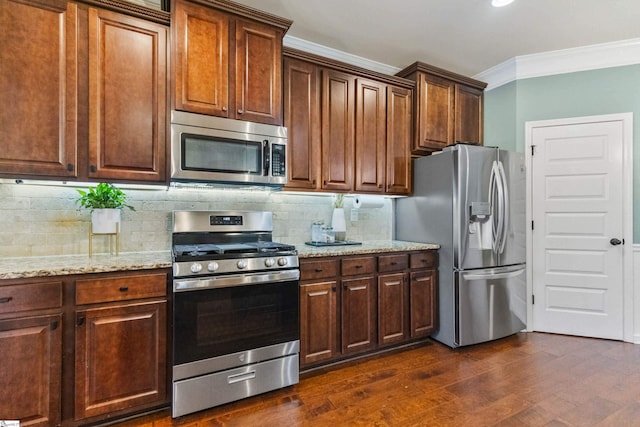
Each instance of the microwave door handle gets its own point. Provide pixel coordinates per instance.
(266, 155)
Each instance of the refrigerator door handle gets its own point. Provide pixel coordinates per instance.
(484, 276)
(497, 208)
(505, 207)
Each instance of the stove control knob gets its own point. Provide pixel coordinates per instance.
(269, 262)
(242, 264)
(196, 267)
(213, 266)
(282, 262)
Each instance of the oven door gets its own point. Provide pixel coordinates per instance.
(223, 322)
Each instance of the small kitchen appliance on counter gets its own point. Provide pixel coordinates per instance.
(236, 309)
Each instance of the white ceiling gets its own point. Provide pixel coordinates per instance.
(464, 36)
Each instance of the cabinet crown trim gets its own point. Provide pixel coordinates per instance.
(347, 68)
(440, 72)
(247, 12)
(126, 7)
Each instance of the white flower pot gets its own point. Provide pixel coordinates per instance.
(339, 224)
(103, 221)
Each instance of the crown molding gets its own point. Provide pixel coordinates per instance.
(594, 57)
(327, 52)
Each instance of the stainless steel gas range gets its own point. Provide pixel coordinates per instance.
(235, 309)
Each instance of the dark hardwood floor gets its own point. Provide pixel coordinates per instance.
(528, 379)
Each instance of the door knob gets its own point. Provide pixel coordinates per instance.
(615, 242)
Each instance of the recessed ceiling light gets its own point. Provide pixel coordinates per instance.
(500, 3)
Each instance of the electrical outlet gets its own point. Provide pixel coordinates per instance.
(354, 215)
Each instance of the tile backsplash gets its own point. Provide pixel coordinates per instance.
(41, 220)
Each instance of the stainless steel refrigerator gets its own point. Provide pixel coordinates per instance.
(471, 201)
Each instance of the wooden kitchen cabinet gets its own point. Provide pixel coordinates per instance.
(370, 136)
(100, 76)
(302, 120)
(120, 343)
(227, 64)
(127, 98)
(338, 108)
(448, 108)
(356, 304)
(349, 129)
(38, 82)
(31, 352)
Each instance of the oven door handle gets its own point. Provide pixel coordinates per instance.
(213, 282)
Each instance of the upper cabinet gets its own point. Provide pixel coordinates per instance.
(448, 108)
(227, 61)
(88, 93)
(349, 128)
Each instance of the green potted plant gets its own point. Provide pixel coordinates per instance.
(105, 201)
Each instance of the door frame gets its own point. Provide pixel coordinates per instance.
(627, 212)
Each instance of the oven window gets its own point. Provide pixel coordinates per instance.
(214, 322)
(221, 155)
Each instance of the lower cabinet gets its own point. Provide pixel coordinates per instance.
(353, 305)
(79, 350)
(120, 343)
(31, 351)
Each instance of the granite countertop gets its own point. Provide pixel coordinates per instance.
(371, 247)
(46, 266)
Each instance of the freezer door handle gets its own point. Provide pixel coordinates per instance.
(492, 274)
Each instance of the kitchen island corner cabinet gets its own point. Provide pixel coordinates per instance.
(360, 304)
(88, 92)
(99, 341)
(227, 61)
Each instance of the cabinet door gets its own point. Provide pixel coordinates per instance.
(127, 97)
(120, 358)
(392, 318)
(200, 38)
(338, 95)
(318, 325)
(258, 73)
(435, 113)
(370, 136)
(399, 136)
(359, 306)
(38, 83)
(422, 300)
(30, 372)
(302, 120)
(469, 116)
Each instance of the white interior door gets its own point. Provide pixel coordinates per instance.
(577, 193)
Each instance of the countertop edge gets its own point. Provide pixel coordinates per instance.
(65, 265)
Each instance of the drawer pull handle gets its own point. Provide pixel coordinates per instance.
(394, 263)
(124, 288)
(5, 299)
(319, 270)
(231, 379)
(358, 266)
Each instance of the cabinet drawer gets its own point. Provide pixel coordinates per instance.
(424, 260)
(30, 296)
(393, 262)
(318, 269)
(120, 288)
(358, 265)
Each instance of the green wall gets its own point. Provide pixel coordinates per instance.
(587, 93)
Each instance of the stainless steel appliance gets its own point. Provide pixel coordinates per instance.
(215, 149)
(471, 201)
(235, 309)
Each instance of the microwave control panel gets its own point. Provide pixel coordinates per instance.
(278, 163)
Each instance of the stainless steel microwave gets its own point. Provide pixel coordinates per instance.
(216, 149)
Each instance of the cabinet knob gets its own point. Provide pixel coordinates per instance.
(240, 111)
(70, 167)
(334, 289)
(224, 108)
(80, 321)
(93, 168)
(54, 325)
